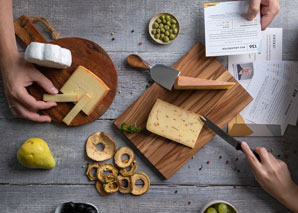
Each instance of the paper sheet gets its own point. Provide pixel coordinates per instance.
(228, 32)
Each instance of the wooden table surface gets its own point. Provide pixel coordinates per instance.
(38, 191)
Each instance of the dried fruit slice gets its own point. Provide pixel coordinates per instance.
(89, 170)
(100, 155)
(140, 176)
(111, 187)
(110, 178)
(124, 150)
(106, 168)
(124, 184)
(133, 168)
(99, 187)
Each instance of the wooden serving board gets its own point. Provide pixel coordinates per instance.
(85, 53)
(220, 106)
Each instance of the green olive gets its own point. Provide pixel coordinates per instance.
(169, 23)
(173, 26)
(211, 210)
(222, 208)
(172, 37)
(161, 25)
(167, 27)
(153, 31)
(162, 17)
(155, 25)
(162, 30)
(168, 18)
(174, 21)
(175, 30)
(157, 36)
(171, 31)
(162, 36)
(158, 31)
(164, 21)
(158, 20)
(166, 39)
(167, 33)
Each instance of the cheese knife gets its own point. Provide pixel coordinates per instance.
(231, 140)
(170, 78)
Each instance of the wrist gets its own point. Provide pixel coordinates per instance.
(289, 198)
(7, 60)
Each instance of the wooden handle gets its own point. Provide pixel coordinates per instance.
(137, 62)
(26, 31)
(183, 82)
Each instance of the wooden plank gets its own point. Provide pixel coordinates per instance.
(45, 198)
(68, 148)
(219, 105)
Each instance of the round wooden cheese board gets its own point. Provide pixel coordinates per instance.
(85, 53)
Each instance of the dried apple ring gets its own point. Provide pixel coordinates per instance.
(133, 168)
(100, 155)
(111, 187)
(106, 168)
(89, 171)
(140, 176)
(99, 188)
(124, 150)
(122, 188)
(110, 178)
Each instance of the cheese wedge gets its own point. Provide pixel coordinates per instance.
(76, 109)
(83, 81)
(174, 123)
(72, 97)
(183, 82)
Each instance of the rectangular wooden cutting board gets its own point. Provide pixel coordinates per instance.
(220, 106)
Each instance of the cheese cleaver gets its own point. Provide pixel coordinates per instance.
(170, 78)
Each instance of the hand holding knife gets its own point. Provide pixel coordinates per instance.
(232, 141)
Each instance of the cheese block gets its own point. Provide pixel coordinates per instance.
(174, 123)
(183, 82)
(48, 55)
(76, 109)
(83, 81)
(71, 97)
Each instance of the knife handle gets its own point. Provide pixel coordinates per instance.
(238, 147)
(137, 62)
(257, 155)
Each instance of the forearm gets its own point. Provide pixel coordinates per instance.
(290, 198)
(8, 47)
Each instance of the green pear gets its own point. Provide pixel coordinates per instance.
(35, 153)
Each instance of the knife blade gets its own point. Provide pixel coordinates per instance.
(231, 140)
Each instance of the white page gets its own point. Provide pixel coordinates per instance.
(274, 98)
(228, 32)
(271, 51)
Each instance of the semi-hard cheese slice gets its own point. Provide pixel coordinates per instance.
(72, 97)
(174, 123)
(84, 81)
(76, 109)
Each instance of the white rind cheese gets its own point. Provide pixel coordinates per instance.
(83, 81)
(174, 123)
(48, 55)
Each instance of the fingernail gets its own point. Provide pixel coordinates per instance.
(244, 144)
(54, 90)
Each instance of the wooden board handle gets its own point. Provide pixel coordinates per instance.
(137, 62)
(26, 31)
(183, 82)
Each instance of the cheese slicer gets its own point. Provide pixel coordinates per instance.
(170, 78)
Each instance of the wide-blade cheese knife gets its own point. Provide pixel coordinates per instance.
(170, 78)
(232, 141)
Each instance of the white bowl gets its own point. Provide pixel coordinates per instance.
(215, 202)
(59, 208)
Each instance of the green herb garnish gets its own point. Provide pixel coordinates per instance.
(130, 128)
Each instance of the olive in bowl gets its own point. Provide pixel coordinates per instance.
(164, 28)
(219, 206)
(71, 207)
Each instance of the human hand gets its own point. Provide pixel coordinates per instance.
(269, 9)
(16, 76)
(273, 176)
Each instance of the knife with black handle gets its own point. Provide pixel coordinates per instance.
(232, 141)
